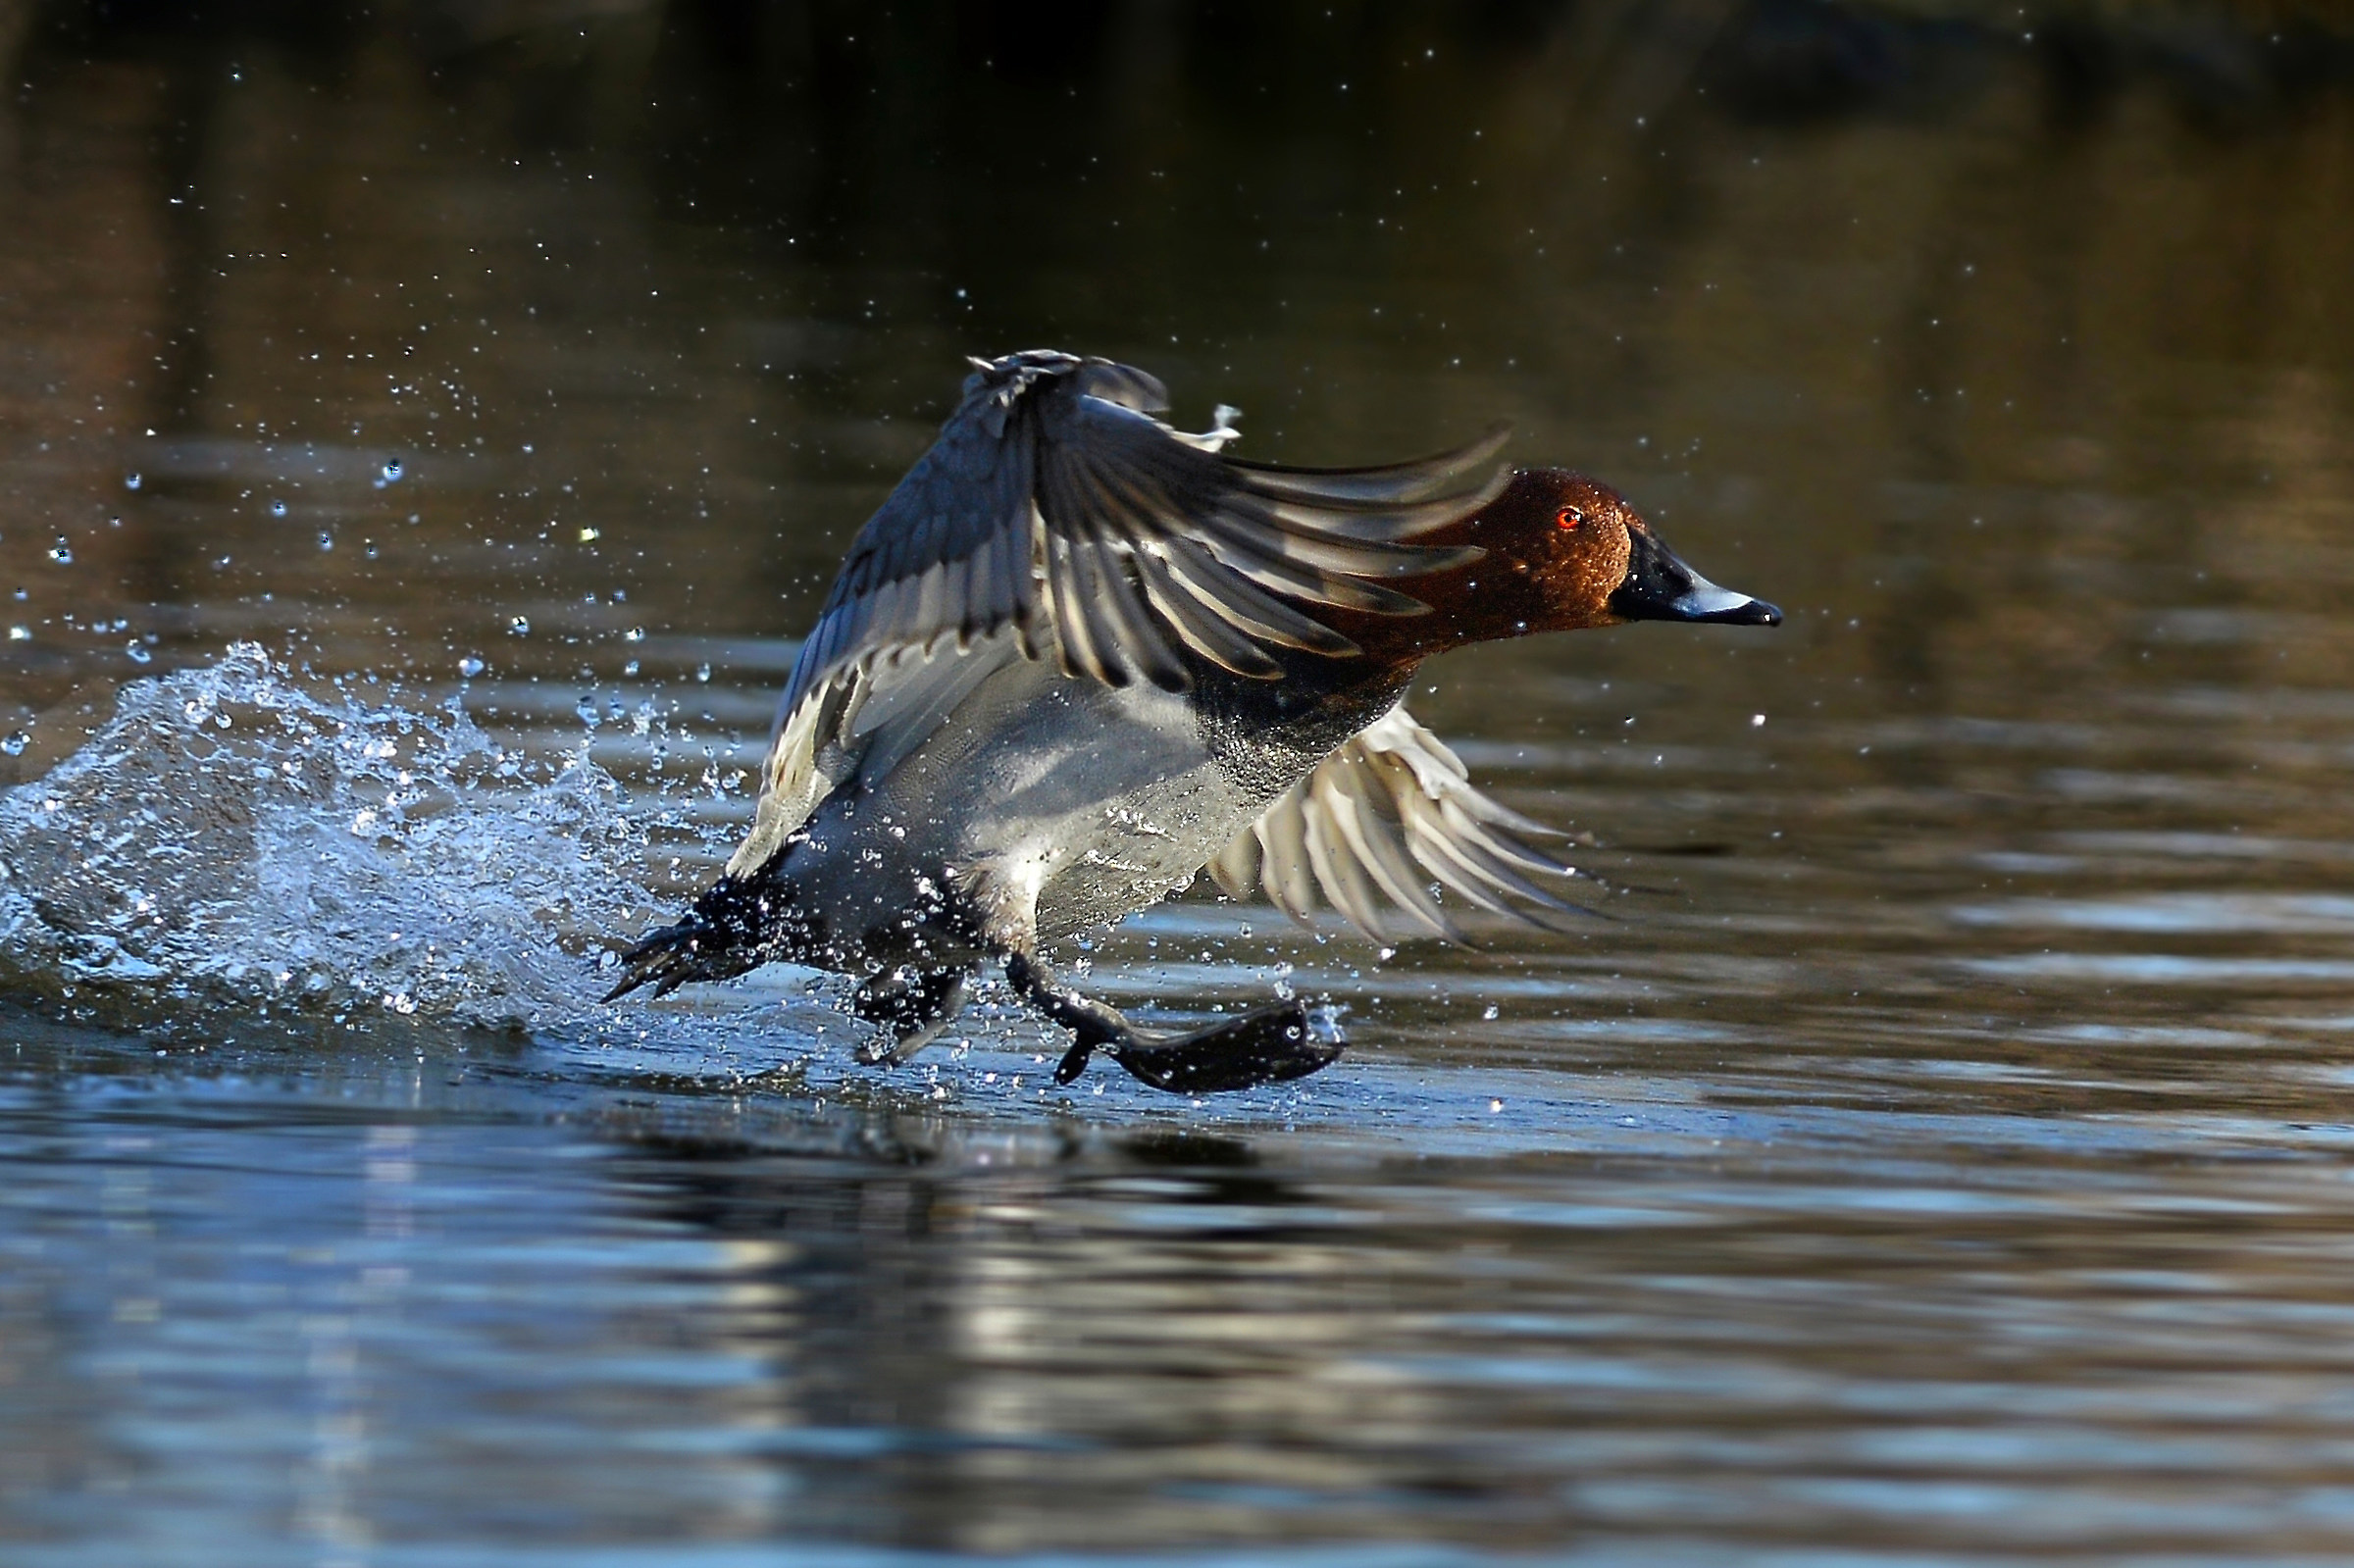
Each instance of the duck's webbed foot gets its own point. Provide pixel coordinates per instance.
(736, 924)
(1267, 1045)
(913, 1005)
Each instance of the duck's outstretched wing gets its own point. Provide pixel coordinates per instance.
(1055, 508)
(1152, 540)
(1053, 494)
(1388, 814)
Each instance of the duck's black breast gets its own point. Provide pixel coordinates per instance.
(1266, 735)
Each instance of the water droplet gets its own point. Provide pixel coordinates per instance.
(391, 472)
(702, 671)
(132, 481)
(590, 536)
(19, 633)
(1490, 1013)
(586, 708)
(636, 633)
(16, 742)
(326, 540)
(629, 668)
(277, 509)
(62, 553)
(137, 652)
(519, 626)
(1756, 719)
(470, 667)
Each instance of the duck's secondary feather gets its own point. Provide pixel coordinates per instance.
(1376, 824)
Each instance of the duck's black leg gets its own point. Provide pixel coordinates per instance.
(1268, 1046)
(1094, 1025)
(913, 1005)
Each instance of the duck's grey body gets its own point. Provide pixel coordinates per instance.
(1082, 802)
(1000, 803)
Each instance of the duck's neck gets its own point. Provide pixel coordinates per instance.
(1516, 587)
(1273, 729)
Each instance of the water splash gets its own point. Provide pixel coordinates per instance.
(235, 839)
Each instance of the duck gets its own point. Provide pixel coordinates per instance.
(1079, 656)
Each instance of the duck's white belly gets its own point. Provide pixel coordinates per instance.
(1080, 801)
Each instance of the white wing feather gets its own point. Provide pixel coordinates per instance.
(867, 717)
(1375, 825)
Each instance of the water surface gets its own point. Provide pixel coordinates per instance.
(420, 439)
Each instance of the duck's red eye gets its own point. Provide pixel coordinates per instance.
(1570, 516)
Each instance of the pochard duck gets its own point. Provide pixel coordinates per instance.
(1078, 656)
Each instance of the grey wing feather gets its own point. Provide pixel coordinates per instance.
(860, 724)
(966, 500)
(1056, 467)
(1373, 826)
(1119, 478)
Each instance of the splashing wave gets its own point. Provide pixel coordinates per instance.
(234, 840)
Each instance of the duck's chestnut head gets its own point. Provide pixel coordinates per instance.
(1594, 560)
(1563, 552)
(1558, 552)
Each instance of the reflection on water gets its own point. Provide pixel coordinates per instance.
(1939, 1157)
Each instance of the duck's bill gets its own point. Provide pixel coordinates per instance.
(1659, 586)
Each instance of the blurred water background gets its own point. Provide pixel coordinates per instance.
(423, 427)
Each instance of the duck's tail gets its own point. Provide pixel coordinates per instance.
(712, 941)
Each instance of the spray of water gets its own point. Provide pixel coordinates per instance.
(234, 839)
